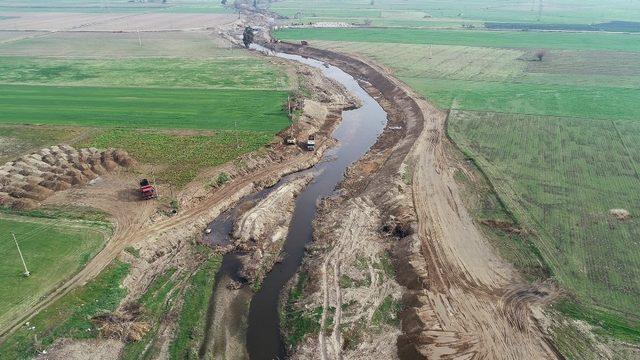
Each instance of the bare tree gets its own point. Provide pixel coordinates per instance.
(540, 54)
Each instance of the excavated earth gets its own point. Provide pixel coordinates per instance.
(459, 299)
(26, 182)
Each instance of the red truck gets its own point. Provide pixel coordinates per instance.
(147, 191)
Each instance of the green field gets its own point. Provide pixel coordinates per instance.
(258, 110)
(562, 176)
(424, 13)
(495, 39)
(240, 72)
(70, 316)
(53, 251)
(181, 157)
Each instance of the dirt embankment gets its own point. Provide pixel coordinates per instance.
(459, 298)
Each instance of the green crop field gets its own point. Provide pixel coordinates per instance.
(181, 157)
(259, 110)
(53, 250)
(422, 13)
(484, 38)
(562, 176)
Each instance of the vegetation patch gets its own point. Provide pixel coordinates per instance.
(156, 302)
(496, 39)
(582, 169)
(605, 321)
(70, 316)
(297, 322)
(387, 313)
(181, 157)
(192, 320)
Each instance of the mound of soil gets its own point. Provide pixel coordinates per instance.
(33, 178)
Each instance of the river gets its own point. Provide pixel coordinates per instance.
(356, 133)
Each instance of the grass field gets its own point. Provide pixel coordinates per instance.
(16, 140)
(496, 39)
(53, 250)
(240, 72)
(417, 12)
(181, 157)
(562, 176)
(70, 316)
(258, 110)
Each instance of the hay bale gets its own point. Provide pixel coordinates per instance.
(109, 165)
(98, 169)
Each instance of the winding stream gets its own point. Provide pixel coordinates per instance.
(356, 133)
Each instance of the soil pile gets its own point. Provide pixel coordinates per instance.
(31, 179)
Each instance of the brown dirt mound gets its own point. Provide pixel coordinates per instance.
(123, 158)
(24, 204)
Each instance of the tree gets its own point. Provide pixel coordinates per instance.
(247, 36)
(540, 54)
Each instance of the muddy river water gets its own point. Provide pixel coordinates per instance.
(357, 132)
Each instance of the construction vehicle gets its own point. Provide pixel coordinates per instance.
(147, 191)
(290, 140)
(311, 143)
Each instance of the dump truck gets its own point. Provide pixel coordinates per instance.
(311, 143)
(147, 191)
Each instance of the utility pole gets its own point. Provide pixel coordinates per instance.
(26, 272)
(139, 39)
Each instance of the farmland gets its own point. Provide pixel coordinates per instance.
(446, 13)
(182, 156)
(494, 39)
(165, 108)
(53, 250)
(557, 139)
